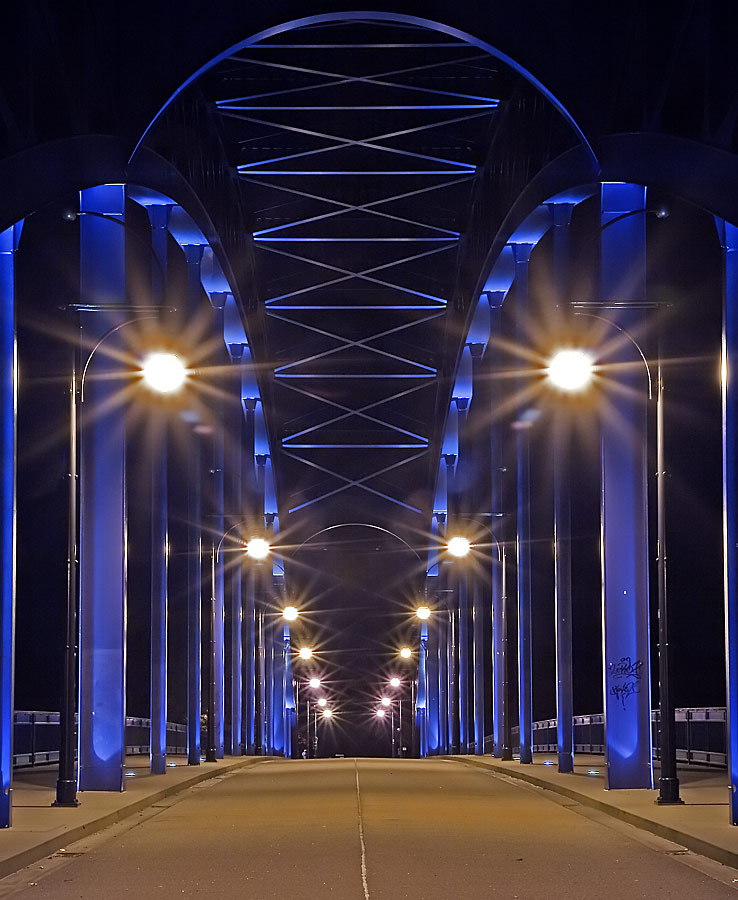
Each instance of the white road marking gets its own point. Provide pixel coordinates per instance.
(361, 836)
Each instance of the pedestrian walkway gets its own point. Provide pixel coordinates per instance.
(700, 824)
(39, 829)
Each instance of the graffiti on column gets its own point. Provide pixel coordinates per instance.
(625, 676)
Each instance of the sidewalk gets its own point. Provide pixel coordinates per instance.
(700, 825)
(39, 830)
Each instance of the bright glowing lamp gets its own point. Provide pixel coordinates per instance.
(164, 372)
(257, 548)
(290, 613)
(395, 682)
(458, 546)
(423, 612)
(386, 701)
(306, 653)
(322, 702)
(327, 713)
(315, 682)
(380, 713)
(571, 370)
(406, 653)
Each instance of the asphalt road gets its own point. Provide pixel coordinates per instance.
(367, 830)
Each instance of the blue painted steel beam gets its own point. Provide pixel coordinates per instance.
(158, 218)
(624, 541)
(193, 257)
(103, 524)
(729, 387)
(562, 523)
(523, 486)
(8, 392)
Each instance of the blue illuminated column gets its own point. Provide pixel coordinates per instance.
(158, 219)
(103, 525)
(442, 624)
(421, 701)
(235, 563)
(193, 451)
(499, 618)
(626, 663)
(432, 667)
(8, 391)
(729, 241)
(290, 717)
(562, 523)
(261, 599)
(478, 443)
(248, 487)
(453, 583)
(522, 456)
(460, 485)
(217, 484)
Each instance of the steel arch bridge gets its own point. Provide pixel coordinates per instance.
(345, 202)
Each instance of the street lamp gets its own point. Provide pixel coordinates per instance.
(327, 713)
(406, 653)
(291, 613)
(257, 548)
(395, 682)
(314, 683)
(305, 653)
(423, 613)
(458, 546)
(154, 375)
(322, 702)
(575, 375)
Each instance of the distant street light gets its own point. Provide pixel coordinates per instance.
(290, 613)
(322, 702)
(386, 701)
(395, 682)
(305, 653)
(406, 653)
(380, 713)
(327, 713)
(423, 612)
(314, 682)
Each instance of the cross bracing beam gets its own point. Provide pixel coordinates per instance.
(358, 168)
(355, 482)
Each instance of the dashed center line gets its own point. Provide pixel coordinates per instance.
(361, 835)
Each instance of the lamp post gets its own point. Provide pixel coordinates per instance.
(574, 373)
(459, 546)
(164, 373)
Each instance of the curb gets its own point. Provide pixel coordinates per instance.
(23, 858)
(677, 836)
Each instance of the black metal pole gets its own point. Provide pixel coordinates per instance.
(210, 755)
(668, 780)
(66, 785)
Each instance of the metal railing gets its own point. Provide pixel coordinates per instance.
(701, 735)
(36, 738)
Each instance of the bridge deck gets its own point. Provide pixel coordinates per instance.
(431, 829)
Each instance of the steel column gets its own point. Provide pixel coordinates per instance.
(562, 523)
(729, 387)
(103, 525)
(159, 523)
(624, 547)
(8, 403)
(522, 456)
(193, 257)
(248, 489)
